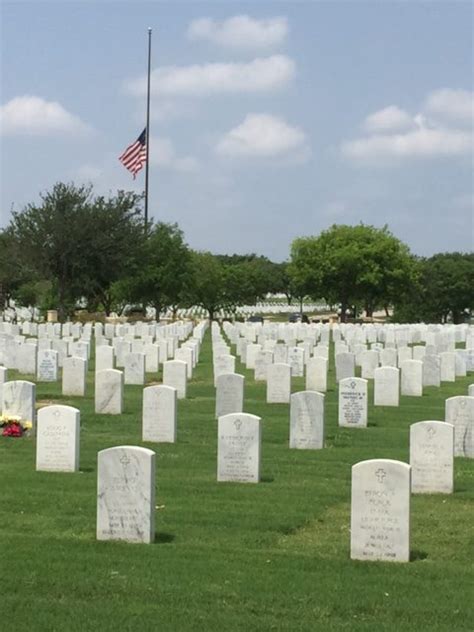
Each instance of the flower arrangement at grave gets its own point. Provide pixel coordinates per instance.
(14, 426)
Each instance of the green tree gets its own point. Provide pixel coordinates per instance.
(79, 243)
(352, 265)
(444, 290)
(51, 239)
(160, 271)
(449, 282)
(13, 272)
(207, 285)
(116, 240)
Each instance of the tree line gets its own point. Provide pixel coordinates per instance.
(76, 249)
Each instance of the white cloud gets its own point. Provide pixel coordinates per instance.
(163, 154)
(388, 119)
(394, 134)
(240, 32)
(200, 80)
(34, 116)
(420, 143)
(456, 105)
(263, 135)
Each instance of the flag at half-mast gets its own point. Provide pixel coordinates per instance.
(134, 157)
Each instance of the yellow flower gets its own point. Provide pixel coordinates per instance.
(27, 425)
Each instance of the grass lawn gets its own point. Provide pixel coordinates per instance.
(272, 556)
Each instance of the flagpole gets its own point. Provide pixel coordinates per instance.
(147, 162)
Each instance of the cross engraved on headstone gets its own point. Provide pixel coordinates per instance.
(353, 384)
(380, 474)
(124, 460)
(431, 432)
(238, 423)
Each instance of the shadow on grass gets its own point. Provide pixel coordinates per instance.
(267, 479)
(164, 538)
(417, 555)
(87, 469)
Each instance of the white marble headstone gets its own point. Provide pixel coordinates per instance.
(239, 448)
(134, 368)
(47, 370)
(460, 413)
(369, 362)
(380, 511)
(19, 399)
(386, 386)
(74, 376)
(126, 494)
(431, 457)
(26, 359)
(229, 394)
(175, 375)
(159, 420)
(353, 402)
(448, 366)
(57, 439)
(223, 363)
(431, 370)
(345, 365)
(109, 392)
(307, 420)
(278, 383)
(104, 358)
(412, 378)
(3, 379)
(317, 374)
(388, 357)
(152, 358)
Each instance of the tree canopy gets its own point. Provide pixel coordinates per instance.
(160, 270)
(444, 289)
(350, 265)
(76, 248)
(79, 243)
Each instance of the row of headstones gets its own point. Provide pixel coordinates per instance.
(79, 330)
(400, 334)
(109, 386)
(58, 429)
(380, 499)
(75, 368)
(135, 357)
(436, 368)
(28, 355)
(18, 397)
(244, 337)
(352, 399)
(443, 336)
(307, 407)
(387, 383)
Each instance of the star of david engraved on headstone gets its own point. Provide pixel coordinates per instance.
(380, 474)
(353, 384)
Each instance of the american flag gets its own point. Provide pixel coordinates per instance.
(134, 157)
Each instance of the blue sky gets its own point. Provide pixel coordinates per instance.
(270, 120)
